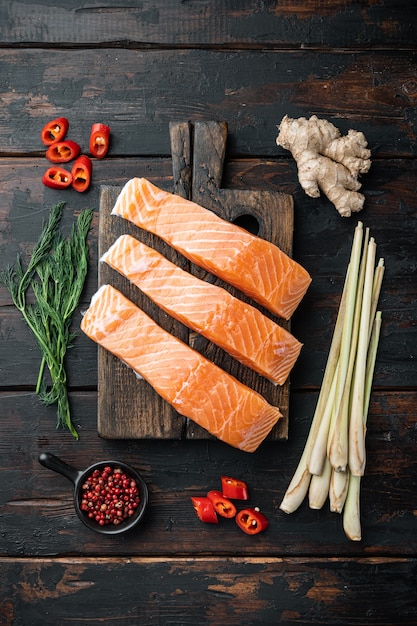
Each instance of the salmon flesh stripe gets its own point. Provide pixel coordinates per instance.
(239, 328)
(193, 385)
(253, 265)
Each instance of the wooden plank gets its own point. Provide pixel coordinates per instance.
(129, 408)
(241, 592)
(169, 23)
(251, 90)
(38, 517)
(390, 211)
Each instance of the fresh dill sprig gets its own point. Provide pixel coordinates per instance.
(56, 274)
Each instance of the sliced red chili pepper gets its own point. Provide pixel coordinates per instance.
(81, 173)
(57, 178)
(54, 131)
(251, 521)
(204, 508)
(223, 506)
(63, 151)
(99, 140)
(234, 489)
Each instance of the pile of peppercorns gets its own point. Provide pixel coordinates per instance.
(109, 496)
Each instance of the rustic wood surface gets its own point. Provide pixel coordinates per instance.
(139, 67)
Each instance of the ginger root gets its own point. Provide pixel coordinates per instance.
(327, 161)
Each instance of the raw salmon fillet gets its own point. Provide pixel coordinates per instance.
(240, 329)
(253, 265)
(193, 385)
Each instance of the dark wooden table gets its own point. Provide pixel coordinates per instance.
(138, 67)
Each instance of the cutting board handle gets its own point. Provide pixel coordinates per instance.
(181, 150)
(198, 152)
(208, 158)
(198, 156)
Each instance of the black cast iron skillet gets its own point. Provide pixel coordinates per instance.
(78, 477)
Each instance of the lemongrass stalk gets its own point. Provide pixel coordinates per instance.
(319, 447)
(337, 449)
(376, 289)
(351, 511)
(339, 483)
(338, 446)
(331, 363)
(298, 487)
(357, 452)
(319, 487)
(350, 306)
(370, 363)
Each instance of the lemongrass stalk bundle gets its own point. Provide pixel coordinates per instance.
(325, 469)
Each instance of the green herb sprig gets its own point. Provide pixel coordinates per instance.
(55, 274)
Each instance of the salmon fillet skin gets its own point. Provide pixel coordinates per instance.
(253, 265)
(193, 385)
(238, 328)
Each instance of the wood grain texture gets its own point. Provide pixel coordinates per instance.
(166, 23)
(390, 211)
(245, 592)
(251, 90)
(38, 518)
(128, 407)
(139, 67)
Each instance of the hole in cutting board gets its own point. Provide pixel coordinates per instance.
(248, 222)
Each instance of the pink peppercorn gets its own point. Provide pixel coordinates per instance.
(109, 496)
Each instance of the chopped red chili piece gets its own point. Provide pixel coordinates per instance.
(54, 131)
(251, 521)
(81, 173)
(204, 508)
(99, 140)
(63, 151)
(223, 506)
(234, 489)
(57, 178)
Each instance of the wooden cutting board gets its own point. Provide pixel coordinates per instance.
(128, 408)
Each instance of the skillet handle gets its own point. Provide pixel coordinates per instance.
(55, 464)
